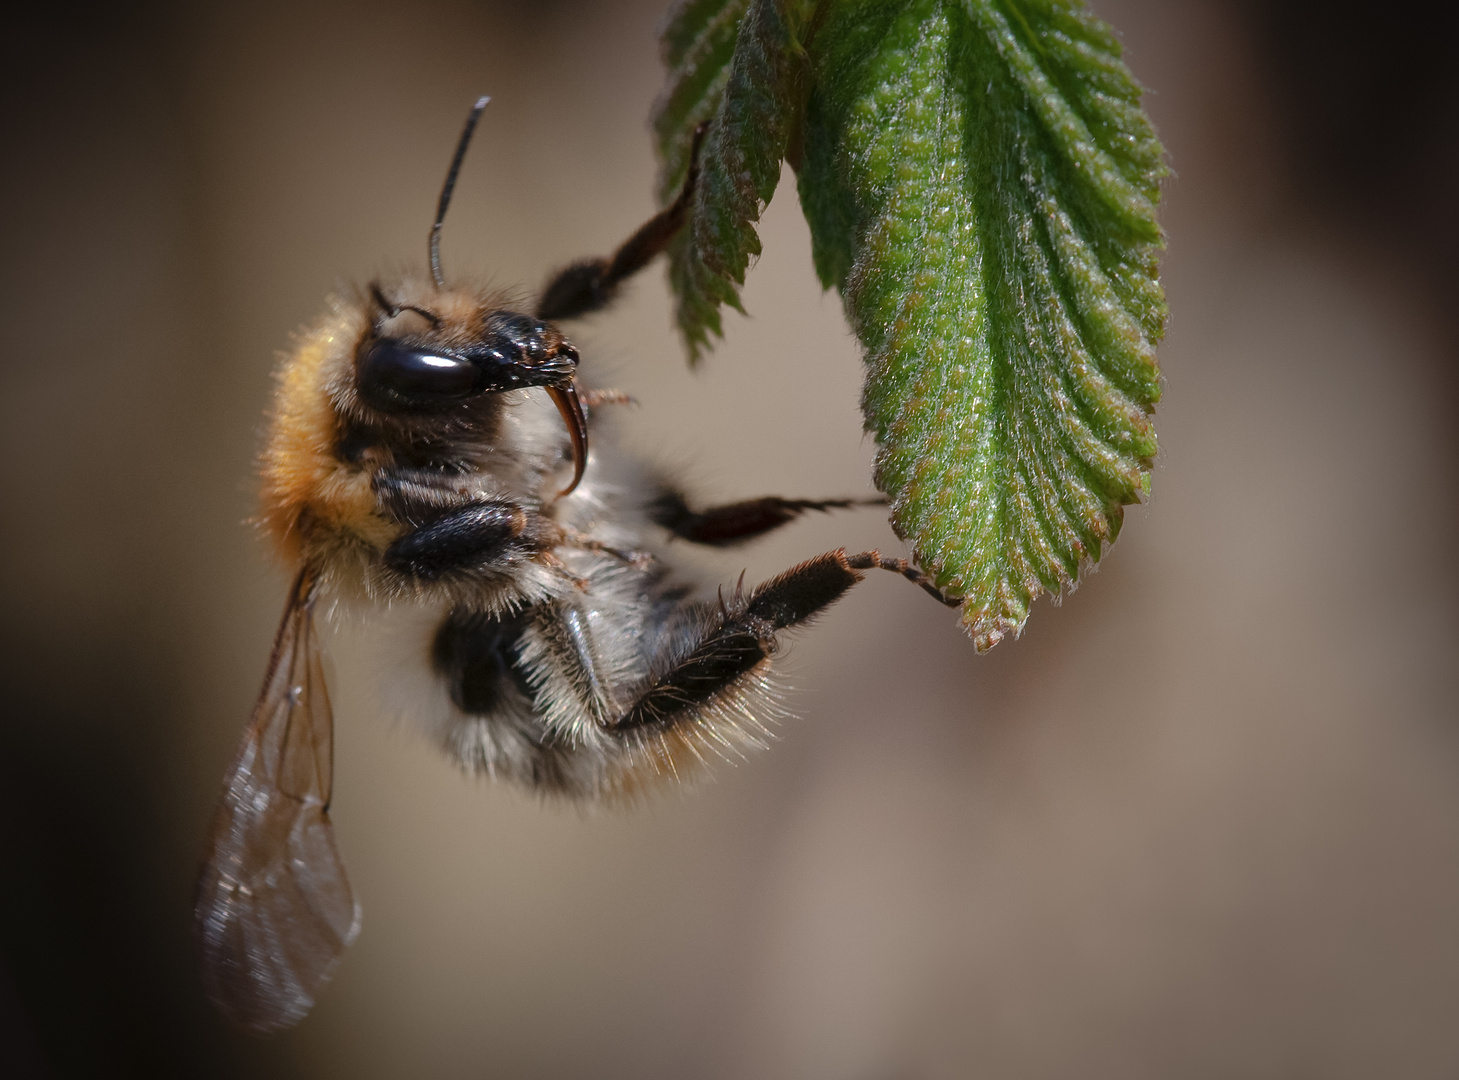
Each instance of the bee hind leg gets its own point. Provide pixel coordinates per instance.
(739, 641)
(743, 637)
(875, 560)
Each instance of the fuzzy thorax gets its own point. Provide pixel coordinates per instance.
(307, 493)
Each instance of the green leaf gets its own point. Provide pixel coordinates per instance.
(981, 185)
(736, 65)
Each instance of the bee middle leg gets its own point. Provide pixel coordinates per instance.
(732, 523)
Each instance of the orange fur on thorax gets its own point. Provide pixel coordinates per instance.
(303, 480)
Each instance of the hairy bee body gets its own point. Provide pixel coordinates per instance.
(324, 502)
(523, 660)
(429, 465)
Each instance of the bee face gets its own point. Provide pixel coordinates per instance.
(435, 353)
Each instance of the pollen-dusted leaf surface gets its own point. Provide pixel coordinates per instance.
(981, 185)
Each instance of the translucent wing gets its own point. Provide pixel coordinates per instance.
(274, 909)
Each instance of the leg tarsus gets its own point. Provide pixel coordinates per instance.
(593, 398)
(631, 557)
(874, 560)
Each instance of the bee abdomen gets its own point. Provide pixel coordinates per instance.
(476, 654)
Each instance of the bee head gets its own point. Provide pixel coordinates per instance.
(421, 359)
(435, 351)
(438, 355)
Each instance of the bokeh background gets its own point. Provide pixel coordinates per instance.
(1201, 821)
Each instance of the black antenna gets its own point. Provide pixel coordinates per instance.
(450, 186)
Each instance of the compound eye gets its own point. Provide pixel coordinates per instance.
(394, 377)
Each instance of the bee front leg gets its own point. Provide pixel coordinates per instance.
(454, 528)
(463, 540)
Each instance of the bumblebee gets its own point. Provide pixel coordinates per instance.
(415, 469)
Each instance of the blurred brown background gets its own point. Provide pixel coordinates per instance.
(1201, 821)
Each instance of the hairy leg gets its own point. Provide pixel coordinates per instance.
(743, 638)
(461, 540)
(453, 528)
